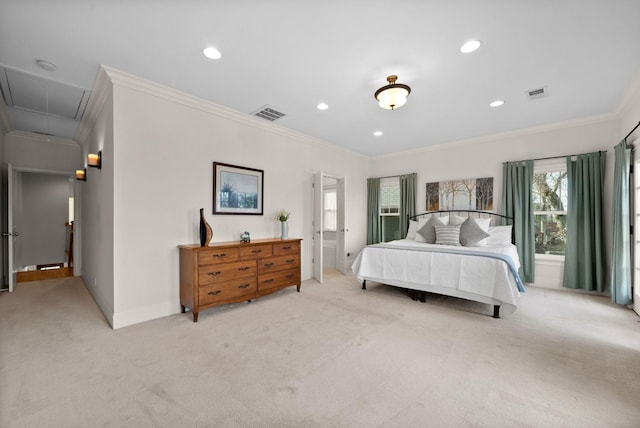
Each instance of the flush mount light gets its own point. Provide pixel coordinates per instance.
(393, 95)
(470, 46)
(496, 103)
(322, 106)
(212, 53)
(46, 65)
(377, 133)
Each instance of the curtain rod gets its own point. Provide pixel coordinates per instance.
(631, 132)
(557, 157)
(394, 176)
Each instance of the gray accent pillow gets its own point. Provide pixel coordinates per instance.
(471, 234)
(428, 231)
(448, 235)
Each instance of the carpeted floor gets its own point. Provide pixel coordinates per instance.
(329, 356)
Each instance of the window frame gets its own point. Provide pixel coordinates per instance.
(542, 166)
(329, 189)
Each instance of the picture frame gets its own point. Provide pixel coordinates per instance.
(237, 189)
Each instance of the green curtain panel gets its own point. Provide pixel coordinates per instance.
(517, 187)
(584, 260)
(373, 211)
(408, 185)
(621, 279)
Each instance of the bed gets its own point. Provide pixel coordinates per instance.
(479, 263)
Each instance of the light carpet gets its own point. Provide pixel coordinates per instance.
(330, 356)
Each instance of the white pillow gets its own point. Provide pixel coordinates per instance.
(413, 229)
(421, 222)
(499, 235)
(456, 219)
(484, 223)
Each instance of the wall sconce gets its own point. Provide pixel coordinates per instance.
(81, 174)
(95, 159)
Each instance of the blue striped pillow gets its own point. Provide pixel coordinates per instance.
(448, 235)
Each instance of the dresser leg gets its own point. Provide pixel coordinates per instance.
(183, 309)
(195, 316)
(298, 288)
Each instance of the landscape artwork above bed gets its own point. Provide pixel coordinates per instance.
(462, 194)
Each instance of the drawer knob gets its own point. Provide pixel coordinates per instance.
(290, 275)
(288, 247)
(244, 286)
(256, 251)
(242, 269)
(267, 281)
(220, 255)
(291, 261)
(213, 293)
(214, 273)
(268, 265)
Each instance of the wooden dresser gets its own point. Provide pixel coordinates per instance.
(230, 272)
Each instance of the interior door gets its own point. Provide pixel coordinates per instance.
(11, 227)
(341, 229)
(318, 226)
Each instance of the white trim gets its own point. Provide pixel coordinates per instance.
(99, 93)
(549, 259)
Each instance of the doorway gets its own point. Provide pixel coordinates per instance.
(329, 225)
(40, 227)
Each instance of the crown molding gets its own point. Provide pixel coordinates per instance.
(49, 139)
(608, 117)
(154, 89)
(99, 93)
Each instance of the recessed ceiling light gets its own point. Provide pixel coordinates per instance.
(496, 103)
(470, 46)
(212, 53)
(377, 133)
(322, 106)
(46, 65)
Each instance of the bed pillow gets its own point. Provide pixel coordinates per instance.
(448, 235)
(413, 229)
(499, 235)
(456, 219)
(427, 232)
(472, 234)
(421, 222)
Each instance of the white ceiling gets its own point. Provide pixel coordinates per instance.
(293, 54)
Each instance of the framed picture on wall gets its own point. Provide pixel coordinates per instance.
(237, 189)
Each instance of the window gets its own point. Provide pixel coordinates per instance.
(550, 209)
(330, 209)
(390, 208)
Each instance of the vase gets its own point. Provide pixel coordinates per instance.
(205, 230)
(284, 230)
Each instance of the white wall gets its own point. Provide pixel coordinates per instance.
(160, 160)
(5, 127)
(34, 152)
(483, 157)
(45, 211)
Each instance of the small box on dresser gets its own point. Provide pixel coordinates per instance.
(230, 272)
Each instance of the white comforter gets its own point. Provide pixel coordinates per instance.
(405, 263)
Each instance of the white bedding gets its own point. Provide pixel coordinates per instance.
(419, 266)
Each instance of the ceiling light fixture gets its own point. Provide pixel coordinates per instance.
(322, 106)
(470, 46)
(393, 95)
(46, 65)
(496, 103)
(377, 133)
(212, 53)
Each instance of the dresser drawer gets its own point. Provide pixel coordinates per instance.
(275, 264)
(280, 279)
(255, 252)
(217, 255)
(224, 272)
(234, 290)
(283, 248)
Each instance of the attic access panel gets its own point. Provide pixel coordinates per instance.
(33, 93)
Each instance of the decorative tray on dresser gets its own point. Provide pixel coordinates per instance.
(230, 272)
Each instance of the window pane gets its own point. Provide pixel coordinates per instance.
(551, 233)
(330, 209)
(550, 191)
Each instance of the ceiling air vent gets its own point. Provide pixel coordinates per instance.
(534, 94)
(269, 113)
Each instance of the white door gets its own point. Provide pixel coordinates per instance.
(341, 229)
(636, 237)
(318, 227)
(11, 227)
